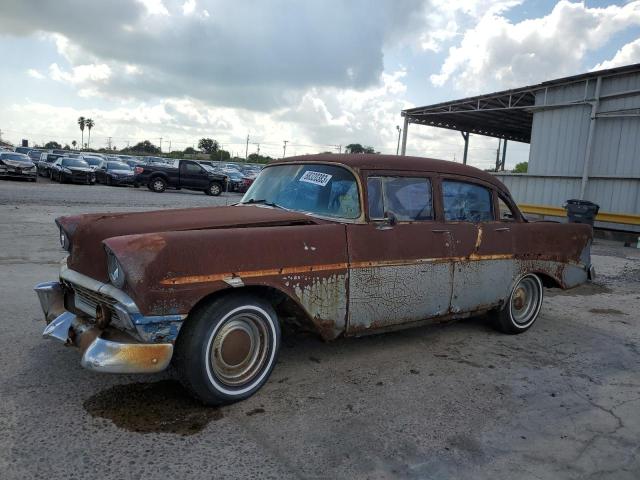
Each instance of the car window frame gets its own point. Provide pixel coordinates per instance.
(400, 174)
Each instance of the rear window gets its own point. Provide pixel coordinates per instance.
(466, 202)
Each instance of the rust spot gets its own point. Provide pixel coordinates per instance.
(159, 407)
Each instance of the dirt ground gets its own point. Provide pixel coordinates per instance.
(459, 400)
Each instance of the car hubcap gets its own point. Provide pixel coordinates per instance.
(239, 349)
(157, 185)
(524, 300)
(215, 189)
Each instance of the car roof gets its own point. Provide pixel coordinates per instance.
(364, 161)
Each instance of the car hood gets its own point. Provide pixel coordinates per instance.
(87, 232)
(79, 169)
(121, 172)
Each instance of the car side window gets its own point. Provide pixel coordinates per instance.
(408, 198)
(191, 168)
(506, 214)
(466, 202)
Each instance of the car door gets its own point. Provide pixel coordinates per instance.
(101, 172)
(483, 245)
(400, 270)
(193, 176)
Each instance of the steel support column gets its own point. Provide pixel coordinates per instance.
(405, 129)
(595, 104)
(465, 135)
(504, 154)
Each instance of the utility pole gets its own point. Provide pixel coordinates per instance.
(160, 144)
(169, 146)
(339, 148)
(109, 143)
(399, 133)
(284, 149)
(246, 150)
(498, 154)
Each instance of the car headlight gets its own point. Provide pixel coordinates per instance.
(64, 240)
(116, 273)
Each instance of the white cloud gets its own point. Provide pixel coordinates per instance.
(82, 74)
(33, 73)
(628, 54)
(497, 53)
(155, 7)
(188, 7)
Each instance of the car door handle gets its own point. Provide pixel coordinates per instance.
(440, 231)
(502, 229)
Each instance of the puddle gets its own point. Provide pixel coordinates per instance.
(158, 407)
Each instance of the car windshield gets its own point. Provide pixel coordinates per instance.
(74, 162)
(17, 157)
(207, 167)
(117, 166)
(323, 190)
(93, 160)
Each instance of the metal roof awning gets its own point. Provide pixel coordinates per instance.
(507, 114)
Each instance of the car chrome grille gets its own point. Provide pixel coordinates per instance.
(88, 300)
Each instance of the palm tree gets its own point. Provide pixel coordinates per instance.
(74, 143)
(82, 123)
(89, 123)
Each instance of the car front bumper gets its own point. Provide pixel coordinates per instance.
(17, 172)
(129, 180)
(128, 343)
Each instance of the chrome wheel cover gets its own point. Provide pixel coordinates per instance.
(239, 349)
(525, 301)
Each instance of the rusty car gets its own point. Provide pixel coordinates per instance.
(346, 245)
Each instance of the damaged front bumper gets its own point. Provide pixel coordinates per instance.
(106, 325)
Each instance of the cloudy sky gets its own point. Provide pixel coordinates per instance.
(318, 73)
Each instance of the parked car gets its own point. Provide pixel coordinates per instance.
(93, 161)
(347, 245)
(23, 150)
(150, 160)
(34, 155)
(74, 170)
(114, 173)
(45, 162)
(17, 165)
(189, 175)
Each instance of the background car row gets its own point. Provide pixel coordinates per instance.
(91, 167)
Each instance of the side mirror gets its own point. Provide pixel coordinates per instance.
(390, 218)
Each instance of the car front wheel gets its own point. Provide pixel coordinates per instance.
(227, 349)
(214, 189)
(523, 306)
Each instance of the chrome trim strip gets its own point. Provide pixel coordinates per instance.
(58, 329)
(114, 357)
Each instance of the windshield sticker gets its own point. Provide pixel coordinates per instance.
(317, 178)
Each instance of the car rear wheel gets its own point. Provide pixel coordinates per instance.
(523, 306)
(227, 349)
(158, 185)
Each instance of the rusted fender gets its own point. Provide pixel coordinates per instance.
(168, 273)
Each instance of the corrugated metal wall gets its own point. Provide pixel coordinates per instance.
(559, 147)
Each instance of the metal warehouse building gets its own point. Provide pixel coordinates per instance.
(584, 135)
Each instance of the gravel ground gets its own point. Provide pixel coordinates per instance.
(445, 401)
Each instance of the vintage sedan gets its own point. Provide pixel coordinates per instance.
(347, 245)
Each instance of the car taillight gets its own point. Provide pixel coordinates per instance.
(139, 170)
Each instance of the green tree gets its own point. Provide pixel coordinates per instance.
(220, 155)
(189, 151)
(521, 167)
(145, 147)
(256, 158)
(81, 124)
(89, 124)
(52, 144)
(74, 143)
(358, 148)
(208, 145)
